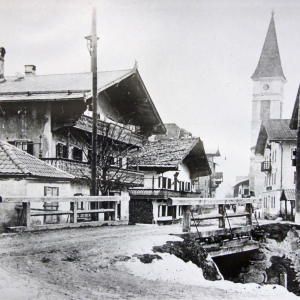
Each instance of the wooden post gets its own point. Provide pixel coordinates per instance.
(186, 222)
(74, 208)
(115, 213)
(26, 213)
(222, 212)
(249, 217)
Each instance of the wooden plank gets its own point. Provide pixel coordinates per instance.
(207, 217)
(66, 212)
(90, 211)
(66, 199)
(77, 225)
(210, 201)
(50, 212)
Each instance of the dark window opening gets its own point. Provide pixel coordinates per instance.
(77, 153)
(61, 151)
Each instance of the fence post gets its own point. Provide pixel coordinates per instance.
(26, 213)
(74, 208)
(249, 217)
(186, 222)
(222, 219)
(115, 213)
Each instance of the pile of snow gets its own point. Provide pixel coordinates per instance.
(172, 269)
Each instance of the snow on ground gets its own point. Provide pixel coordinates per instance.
(173, 269)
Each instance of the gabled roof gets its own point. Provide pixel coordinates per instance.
(166, 155)
(274, 130)
(15, 162)
(126, 100)
(269, 64)
(288, 194)
(80, 82)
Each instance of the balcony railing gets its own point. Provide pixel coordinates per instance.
(266, 166)
(111, 130)
(76, 168)
(81, 169)
(160, 194)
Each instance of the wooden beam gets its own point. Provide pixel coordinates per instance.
(211, 201)
(65, 199)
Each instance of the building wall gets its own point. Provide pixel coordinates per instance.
(281, 177)
(25, 187)
(29, 122)
(152, 178)
(266, 104)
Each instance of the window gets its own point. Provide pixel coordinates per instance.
(77, 153)
(26, 146)
(61, 151)
(164, 182)
(51, 191)
(51, 206)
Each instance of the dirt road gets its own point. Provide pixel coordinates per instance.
(90, 263)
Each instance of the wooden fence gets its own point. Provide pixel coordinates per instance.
(27, 211)
(187, 203)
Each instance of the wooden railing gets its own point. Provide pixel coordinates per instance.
(221, 215)
(27, 210)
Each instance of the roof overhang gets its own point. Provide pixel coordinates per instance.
(196, 161)
(131, 104)
(295, 115)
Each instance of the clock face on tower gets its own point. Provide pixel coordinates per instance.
(266, 87)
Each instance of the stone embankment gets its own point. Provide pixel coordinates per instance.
(275, 262)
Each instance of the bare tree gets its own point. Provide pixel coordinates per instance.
(117, 153)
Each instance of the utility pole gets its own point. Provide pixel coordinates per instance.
(94, 102)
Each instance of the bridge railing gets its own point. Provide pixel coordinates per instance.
(28, 211)
(187, 203)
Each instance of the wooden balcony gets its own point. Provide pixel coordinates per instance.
(266, 166)
(111, 130)
(160, 194)
(76, 168)
(81, 169)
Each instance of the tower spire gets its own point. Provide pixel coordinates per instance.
(269, 64)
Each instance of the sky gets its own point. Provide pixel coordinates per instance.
(195, 57)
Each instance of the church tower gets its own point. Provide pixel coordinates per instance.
(267, 100)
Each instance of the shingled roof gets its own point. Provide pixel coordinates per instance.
(269, 64)
(15, 162)
(166, 155)
(126, 98)
(274, 130)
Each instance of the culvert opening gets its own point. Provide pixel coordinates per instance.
(234, 266)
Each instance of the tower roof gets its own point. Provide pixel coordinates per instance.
(269, 64)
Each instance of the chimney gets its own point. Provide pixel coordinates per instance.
(2, 54)
(30, 70)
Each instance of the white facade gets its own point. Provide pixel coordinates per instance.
(281, 176)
